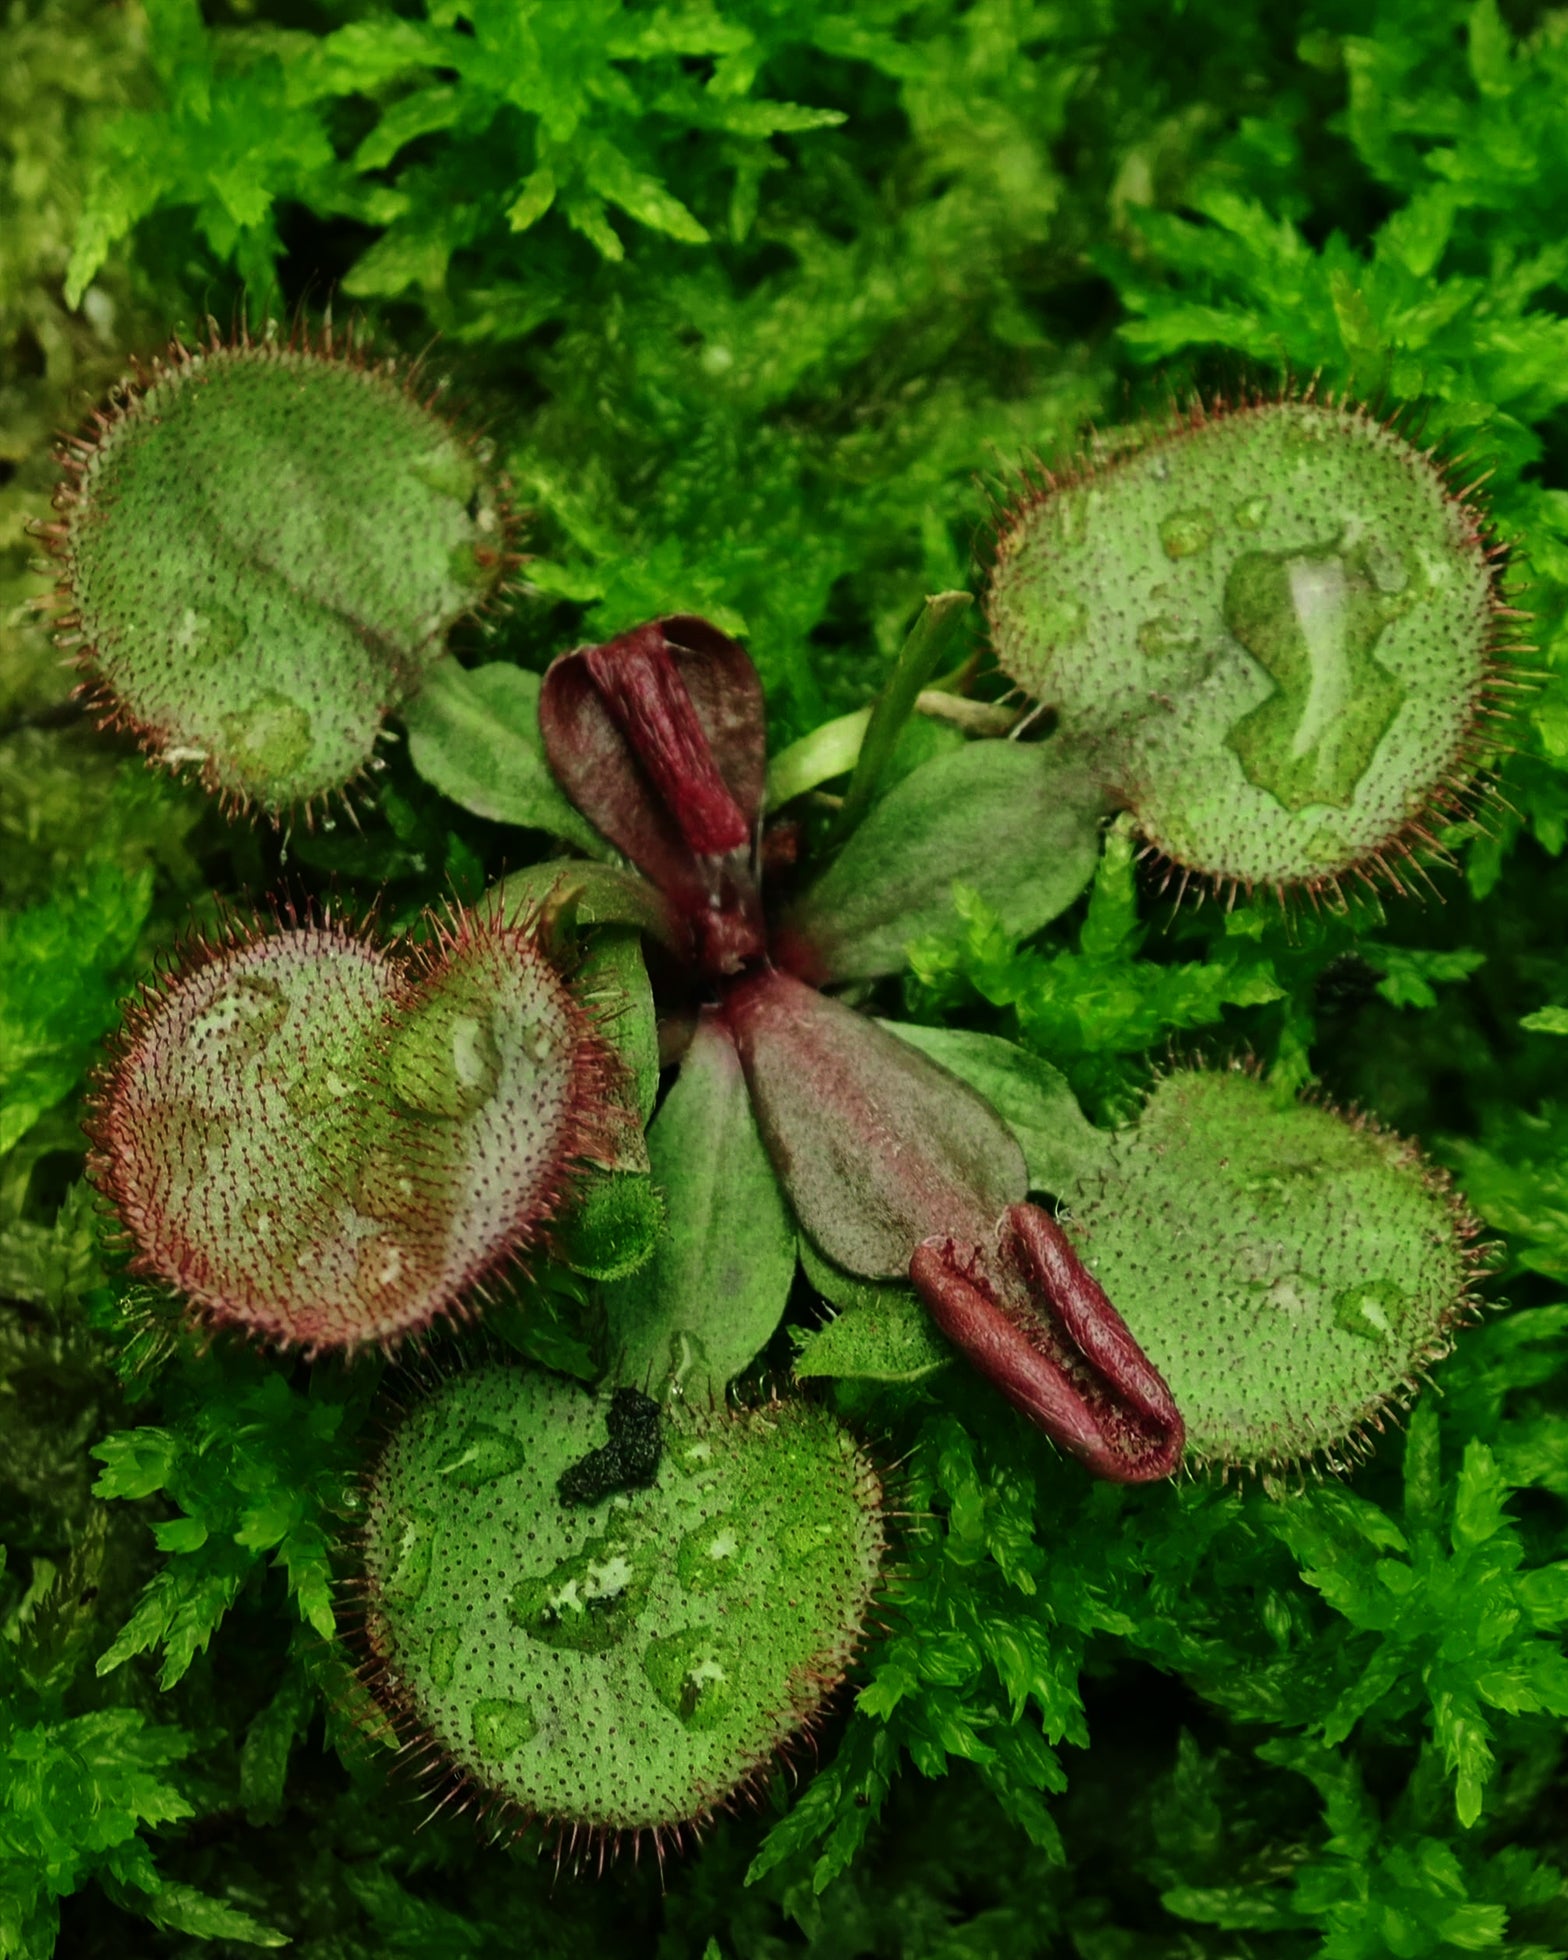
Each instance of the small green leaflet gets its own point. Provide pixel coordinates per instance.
(612, 982)
(473, 734)
(716, 1287)
(880, 1333)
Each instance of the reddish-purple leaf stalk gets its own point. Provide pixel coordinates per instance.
(894, 1167)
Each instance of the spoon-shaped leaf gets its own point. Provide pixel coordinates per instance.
(1017, 822)
(717, 1284)
(877, 1146)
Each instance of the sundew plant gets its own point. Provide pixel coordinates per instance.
(783, 1088)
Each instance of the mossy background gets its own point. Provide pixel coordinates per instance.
(762, 302)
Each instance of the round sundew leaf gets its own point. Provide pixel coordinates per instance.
(265, 547)
(308, 1138)
(239, 1118)
(1287, 1270)
(623, 1665)
(1270, 629)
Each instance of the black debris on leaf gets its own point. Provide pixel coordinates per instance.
(629, 1461)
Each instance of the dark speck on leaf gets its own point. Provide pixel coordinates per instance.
(628, 1461)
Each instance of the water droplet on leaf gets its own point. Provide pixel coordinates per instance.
(501, 1728)
(270, 740)
(1186, 532)
(207, 637)
(444, 1060)
(1372, 1308)
(1311, 620)
(444, 1645)
(713, 1555)
(588, 1602)
(693, 1675)
(484, 1453)
(411, 1548)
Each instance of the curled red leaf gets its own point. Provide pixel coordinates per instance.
(657, 736)
(648, 701)
(1033, 1319)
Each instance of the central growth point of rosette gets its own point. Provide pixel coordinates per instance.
(894, 1167)
(658, 738)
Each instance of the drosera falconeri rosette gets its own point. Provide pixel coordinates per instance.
(882, 1155)
(893, 1167)
(878, 1150)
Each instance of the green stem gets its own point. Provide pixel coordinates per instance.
(917, 663)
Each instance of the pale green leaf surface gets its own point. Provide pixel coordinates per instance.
(1059, 1143)
(713, 1293)
(473, 733)
(1008, 820)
